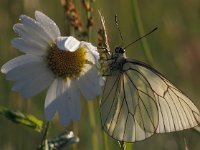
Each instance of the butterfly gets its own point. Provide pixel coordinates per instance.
(138, 101)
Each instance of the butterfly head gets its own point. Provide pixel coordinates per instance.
(119, 50)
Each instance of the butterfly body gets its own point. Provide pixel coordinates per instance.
(115, 61)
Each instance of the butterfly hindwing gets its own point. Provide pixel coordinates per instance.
(128, 109)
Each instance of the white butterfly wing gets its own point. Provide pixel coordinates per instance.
(128, 108)
(138, 102)
(176, 110)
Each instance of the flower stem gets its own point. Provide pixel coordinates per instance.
(44, 142)
(129, 146)
(92, 121)
(91, 109)
(105, 141)
(75, 130)
(139, 26)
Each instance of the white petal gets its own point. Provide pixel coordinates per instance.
(28, 47)
(91, 48)
(89, 84)
(34, 85)
(21, 70)
(36, 28)
(64, 97)
(54, 93)
(31, 78)
(19, 85)
(68, 43)
(69, 104)
(30, 35)
(63, 112)
(49, 25)
(27, 71)
(73, 101)
(19, 61)
(92, 54)
(75, 108)
(90, 57)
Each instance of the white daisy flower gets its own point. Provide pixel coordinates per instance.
(64, 64)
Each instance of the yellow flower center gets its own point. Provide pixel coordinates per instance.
(66, 64)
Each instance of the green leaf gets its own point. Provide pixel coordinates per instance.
(21, 118)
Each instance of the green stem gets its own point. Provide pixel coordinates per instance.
(139, 26)
(129, 146)
(44, 142)
(179, 140)
(91, 109)
(105, 141)
(75, 130)
(89, 34)
(92, 122)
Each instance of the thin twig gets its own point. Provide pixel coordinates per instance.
(44, 142)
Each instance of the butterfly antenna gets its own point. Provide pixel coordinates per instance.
(141, 37)
(116, 22)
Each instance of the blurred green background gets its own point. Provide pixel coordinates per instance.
(175, 49)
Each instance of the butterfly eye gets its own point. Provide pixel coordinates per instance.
(119, 50)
